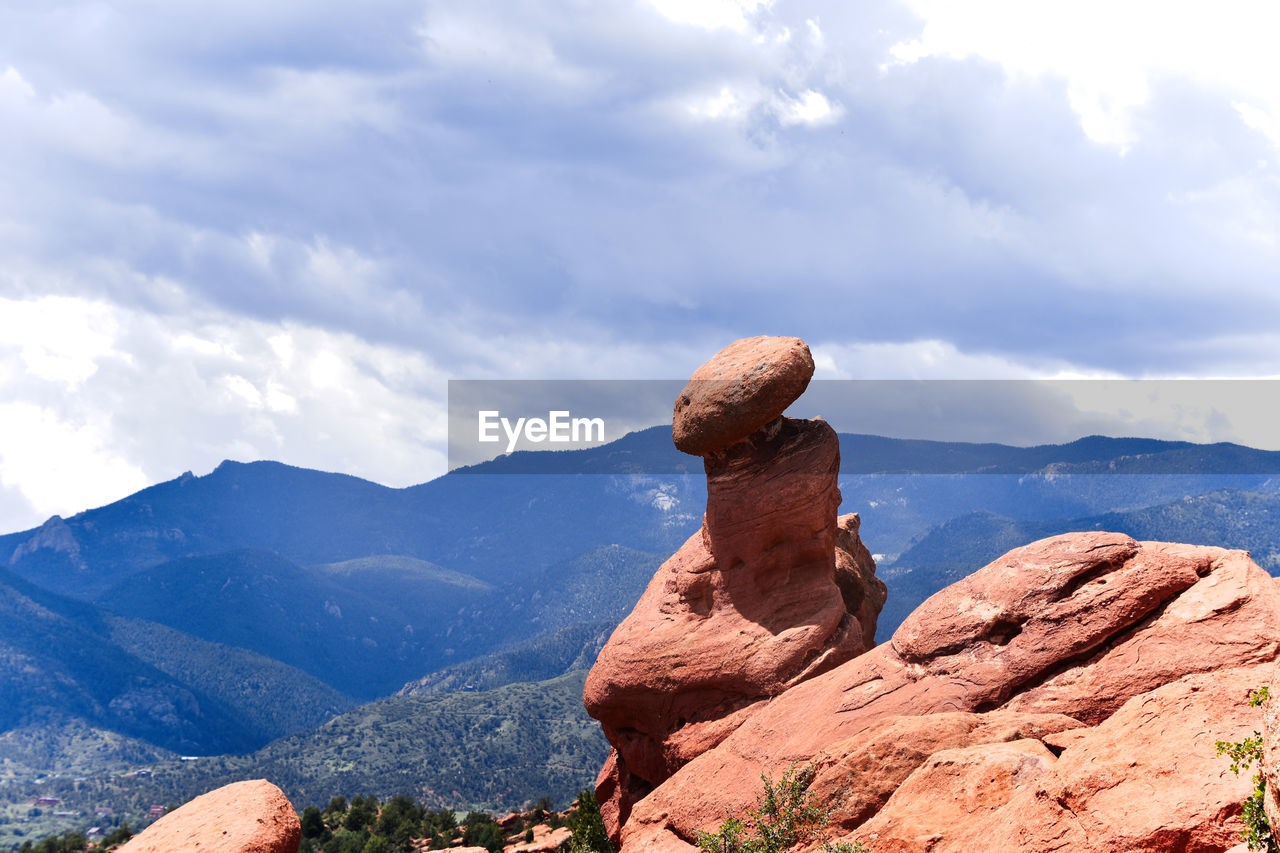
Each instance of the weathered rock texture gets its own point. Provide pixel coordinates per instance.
(1065, 697)
(743, 387)
(1145, 779)
(243, 817)
(772, 591)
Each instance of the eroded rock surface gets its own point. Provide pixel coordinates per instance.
(1082, 642)
(243, 817)
(1145, 779)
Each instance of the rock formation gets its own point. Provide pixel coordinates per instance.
(243, 817)
(773, 590)
(1075, 688)
(1067, 696)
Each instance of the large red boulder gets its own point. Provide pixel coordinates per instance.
(743, 387)
(243, 817)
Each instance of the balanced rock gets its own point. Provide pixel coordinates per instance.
(773, 590)
(743, 387)
(243, 817)
(1084, 643)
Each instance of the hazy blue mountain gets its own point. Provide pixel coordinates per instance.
(67, 663)
(491, 527)
(898, 509)
(598, 586)
(543, 656)
(268, 697)
(365, 631)
(56, 661)
(489, 575)
(956, 548)
(496, 523)
(370, 625)
(496, 749)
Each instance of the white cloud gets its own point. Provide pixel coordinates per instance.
(725, 104)
(13, 87)
(1110, 54)
(931, 359)
(711, 14)
(56, 463)
(1261, 120)
(102, 400)
(808, 108)
(60, 339)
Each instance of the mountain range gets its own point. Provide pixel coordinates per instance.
(216, 614)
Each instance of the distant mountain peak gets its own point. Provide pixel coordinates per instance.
(53, 535)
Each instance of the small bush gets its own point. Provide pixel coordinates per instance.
(784, 815)
(588, 826)
(1257, 832)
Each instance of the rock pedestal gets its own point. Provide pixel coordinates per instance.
(773, 590)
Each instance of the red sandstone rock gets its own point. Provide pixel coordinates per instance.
(856, 776)
(773, 590)
(863, 593)
(954, 787)
(545, 840)
(748, 607)
(1065, 697)
(1076, 625)
(243, 817)
(743, 387)
(1146, 779)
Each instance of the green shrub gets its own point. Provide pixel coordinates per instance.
(1257, 832)
(587, 825)
(784, 815)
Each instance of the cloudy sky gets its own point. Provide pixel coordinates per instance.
(276, 229)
